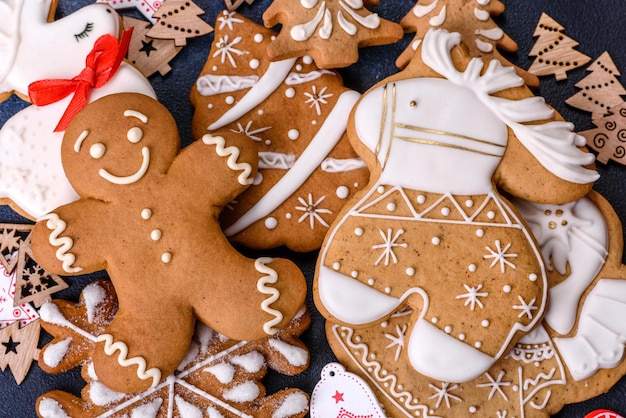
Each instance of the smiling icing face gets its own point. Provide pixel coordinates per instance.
(115, 148)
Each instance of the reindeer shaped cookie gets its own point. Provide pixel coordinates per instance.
(148, 215)
(32, 48)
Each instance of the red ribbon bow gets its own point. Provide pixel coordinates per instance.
(101, 64)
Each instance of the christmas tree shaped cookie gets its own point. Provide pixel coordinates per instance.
(294, 115)
(554, 51)
(330, 31)
(472, 19)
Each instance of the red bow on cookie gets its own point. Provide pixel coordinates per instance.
(101, 65)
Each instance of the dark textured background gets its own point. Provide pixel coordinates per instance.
(598, 25)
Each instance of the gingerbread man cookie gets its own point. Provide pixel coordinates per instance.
(148, 215)
(431, 233)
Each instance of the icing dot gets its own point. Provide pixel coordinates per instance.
(537, 364)
(358, 232)
(514, 387)
(155, 235)
(258, 38)
(293, 134)
(410, 271)
(472, 268)
(370, 282)
(273, 37)
(380, 189)
(230, 100)
(288, 215)
(134, 134)
(506, 289)
(472, 409)
(342, 192)
(469, 203)
(210, 106)
(146, 213)
(307, 60)
(271, 223)
(448, 329)
(532, 277)
(391, 206)
(299, 67)
(421, 199)
(354, 274)
(445, 211)
(214, 68)
(97, 150)
(166, 257)
(435, 241)
(462, 337)
(254, 63)
(384, 324)
(387, 289)
(290, 93)
(480, 232)
(491, 214)
(336, 265)
(484, 323)
(434, 320)
(313, 122)
(260, 112)
(478, 344)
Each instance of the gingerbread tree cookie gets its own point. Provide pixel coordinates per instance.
(218, 376)
(330, 31)
(554, 51)
(127, 145)
(178, 20)
(294, 115)
(600, 90)
(472, 19)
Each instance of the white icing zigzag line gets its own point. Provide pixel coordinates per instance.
(271, 277)
(233, 153)
(211, 84)
(58, 226)
(111, 347)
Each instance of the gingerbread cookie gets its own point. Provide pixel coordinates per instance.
(576, 353)
(330, 31)
(295, 115)
(431, 233)
(218, 376)
(32, 179)
(472, 19)
(148, 215)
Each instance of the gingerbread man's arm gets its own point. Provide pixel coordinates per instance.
(215, 169)
(66, 240)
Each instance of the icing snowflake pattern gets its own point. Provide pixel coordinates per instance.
(388, 245)
(472, 296)
(444, 393)
(526, 308)
(312, 210)
(500, 255)
(397, 340)
(317, 99)
(227, 19)
(250, 133)
(226, 49)
(495, 385)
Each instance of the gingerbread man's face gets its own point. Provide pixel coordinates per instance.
(117, 146)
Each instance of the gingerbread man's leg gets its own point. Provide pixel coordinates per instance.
(254, 299)
(129, 355)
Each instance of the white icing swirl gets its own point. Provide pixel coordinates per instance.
(58, 226)
(232, 153)
(271, 277)
(111, 347)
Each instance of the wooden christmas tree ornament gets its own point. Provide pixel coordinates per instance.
(178, 20)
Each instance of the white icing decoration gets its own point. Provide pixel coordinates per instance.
(223, 372)
(214, 413)
(294, 404)
(317, 99)
(228, 19)
(149, 410)
(130, 179)
(347, 26)
(146, 214)
(480, 14)
(308, 4)
(232, 153)
(335, 165)
(110, 347)
(296, 356)
(101, 395)
(136, 114)
(186, 409)
(244, 392)
(249, 132)
(134, 134)
(273, 77)
(290, 93)
(327, 27)
(50, 408)
(258, 38)
(155, 235)
(55, 352)
(319, 147)
(388, 246)
(472, 297)
(254, 63)
(50, 313)
(263, 285)
(484, 46)
(293, 134)
(93, 295)
(276, 160)
(81, 138)
(421, 10)
(494, 34)
(97, 150)
(312, 211)
(225, 49)
(63, 254)
(440, 18)
(305, 30)
(251, 362)
(271, 223)
(370, 21)
(343, 192)
(210, 84)
(166, 257)
(229, 100)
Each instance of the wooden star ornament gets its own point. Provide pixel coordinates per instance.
(18, 348)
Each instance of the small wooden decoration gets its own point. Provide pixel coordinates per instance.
(146, 7)
(33, 284)
(600, 89)
(11, 235)
(554, 50)
(178, 20)
(149, 55)
(18, 348)
(232, 5)
(609, 138)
